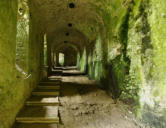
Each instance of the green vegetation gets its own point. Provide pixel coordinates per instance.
(61, 59)
(135, 66)
(123, 48)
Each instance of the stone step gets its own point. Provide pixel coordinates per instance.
(72, 73)
(57, 68)
(56, 79)
(70, 68)
(48, 87)
(38, 114)
(42, 101)
(50, 83)
(46, 90)
(45, 93)
(35, 125)
(56, 72)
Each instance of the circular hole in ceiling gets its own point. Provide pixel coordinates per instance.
(70, 24)
(67, 33)
(65, 42)
(71, 5)
(21, 11)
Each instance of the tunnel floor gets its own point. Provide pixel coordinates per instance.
(82, 105)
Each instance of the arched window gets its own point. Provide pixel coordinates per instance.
(61, 59)
(22, 38)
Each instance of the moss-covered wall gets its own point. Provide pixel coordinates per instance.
(132, 64)
(8, 20)
(125, 54)
(15, 84)
(22, 36)
(95, 60)
(105, 59)
(82, 60)
(45, 50)
(146, 46)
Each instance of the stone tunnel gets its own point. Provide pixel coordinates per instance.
(82, 63)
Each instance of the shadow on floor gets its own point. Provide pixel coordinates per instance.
(70, 89)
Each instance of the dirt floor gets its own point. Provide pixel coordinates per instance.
(83, 105)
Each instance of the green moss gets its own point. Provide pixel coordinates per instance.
(82, 61)
(15, 87)
(123, 29)
(128, 57)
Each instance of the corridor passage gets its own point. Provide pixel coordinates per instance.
(82, 63)
(41, 109)
(71, 100)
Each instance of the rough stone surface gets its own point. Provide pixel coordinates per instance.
(17, 77)
(119, 43)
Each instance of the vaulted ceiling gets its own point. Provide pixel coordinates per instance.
(69, 21)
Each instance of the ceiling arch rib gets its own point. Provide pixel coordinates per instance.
(63, 47)
(75, 37)
(68, 44)
(83, 17)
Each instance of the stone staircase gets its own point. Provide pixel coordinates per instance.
(41, 109)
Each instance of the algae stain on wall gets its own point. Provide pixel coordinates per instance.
(22, 37)
(14, 49)
(95, 62)
(141, 50)
(82, 60)
(135, 65)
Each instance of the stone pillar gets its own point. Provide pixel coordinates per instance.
(57, 59)
(49, 58)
